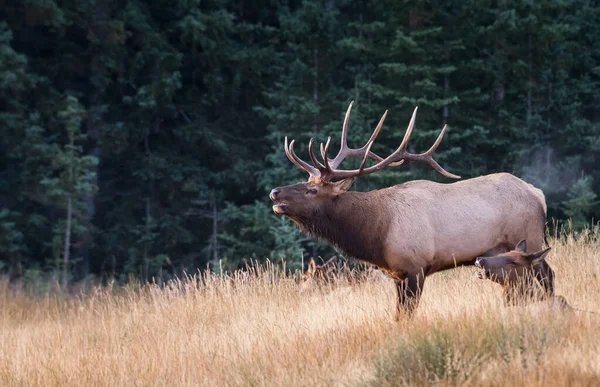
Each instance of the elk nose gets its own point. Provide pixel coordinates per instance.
(274, 193)
(479, 262)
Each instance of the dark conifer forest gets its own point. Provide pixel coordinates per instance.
(141, 138)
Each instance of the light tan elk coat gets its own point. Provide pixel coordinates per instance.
(414, 229)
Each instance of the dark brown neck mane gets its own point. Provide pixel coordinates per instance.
(352, 223)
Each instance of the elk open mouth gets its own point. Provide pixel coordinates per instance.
(280, 208)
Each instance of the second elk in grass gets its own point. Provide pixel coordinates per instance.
(335, 270)
(327, 273)
(524, 276)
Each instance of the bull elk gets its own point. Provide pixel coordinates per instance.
(414, 229)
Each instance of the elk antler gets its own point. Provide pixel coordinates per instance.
(328, 171)
(345, 151)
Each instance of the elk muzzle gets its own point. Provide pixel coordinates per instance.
(482, 273)
(274, 193)
(278, 208)
(478, 262)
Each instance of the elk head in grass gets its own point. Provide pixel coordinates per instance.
(337, 270)
(511, 267)
(521, 274)
(414, 229)
(318, 275)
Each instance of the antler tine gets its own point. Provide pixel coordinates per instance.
(437, 142)
(408, 133)
(364, 160)
(428, 156)
(343, 152)
(434, 164)
(324, 153)
(291, 155)
(376, 131)
(344, 139)
(314, 160)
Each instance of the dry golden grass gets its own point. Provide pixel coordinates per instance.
(260, 330)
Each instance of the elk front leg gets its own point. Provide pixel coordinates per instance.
(409, 293)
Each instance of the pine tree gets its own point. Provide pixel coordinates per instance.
(177, 111)
(17, 85)
(581, 201)
(69, 181)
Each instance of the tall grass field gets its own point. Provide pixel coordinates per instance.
(256, 328)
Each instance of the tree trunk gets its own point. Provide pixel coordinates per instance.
(66, 253)
(99, 15)
(146, 262)
(214, 240)
(446, 93)
(316, 79)
(530, 80)
(83, 250)
(67, 247)
(147, 246)
(370, 82)
(499, 88)
(548, 165)
(316, 84)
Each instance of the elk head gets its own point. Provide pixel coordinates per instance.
(511, 267)
(319, 271)
(325, 273)
(304, 201)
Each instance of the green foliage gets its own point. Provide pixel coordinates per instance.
(12, 64)
(440, 355)
(164, 121)
(69, 173)
(11, 237)
(581, 201)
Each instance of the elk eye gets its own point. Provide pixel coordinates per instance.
(312, 191)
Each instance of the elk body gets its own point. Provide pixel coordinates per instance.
(522, 274)
(414, 229)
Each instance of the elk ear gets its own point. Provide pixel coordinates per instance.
(521, 246)
(538, 257)
(312, 266)
(343, 185)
